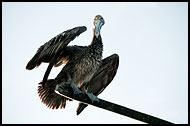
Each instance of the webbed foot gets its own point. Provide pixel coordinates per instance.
(92, 97)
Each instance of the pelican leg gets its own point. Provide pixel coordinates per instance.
(76, 91)
(92, 97)
(83, 87)
(73, 85)
(75, 88)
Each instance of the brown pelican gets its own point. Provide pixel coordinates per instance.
(84, 65)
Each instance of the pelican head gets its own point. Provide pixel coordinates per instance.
(98, 23)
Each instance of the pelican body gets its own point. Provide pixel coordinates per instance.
(84, 65)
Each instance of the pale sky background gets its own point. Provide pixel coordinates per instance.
(151, 40)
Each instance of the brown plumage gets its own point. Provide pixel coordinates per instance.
(84, 65)
(101, 79)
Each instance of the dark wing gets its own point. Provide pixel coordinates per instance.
(54, 47)
(47, 93)
(102, 78)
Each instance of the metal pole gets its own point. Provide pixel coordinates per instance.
(114, 108)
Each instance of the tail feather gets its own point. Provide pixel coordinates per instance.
(49, 97)
(81, 107)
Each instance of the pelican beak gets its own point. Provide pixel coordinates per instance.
(98, 26)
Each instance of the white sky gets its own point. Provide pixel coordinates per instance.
(151, 40)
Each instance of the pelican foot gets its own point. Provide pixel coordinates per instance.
(75, 88)
(92, 97)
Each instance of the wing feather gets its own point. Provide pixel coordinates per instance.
(54, 46)
(102, 78)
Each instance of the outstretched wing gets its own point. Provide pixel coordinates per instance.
(54, 47)
(102, 78)
(47, 93)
